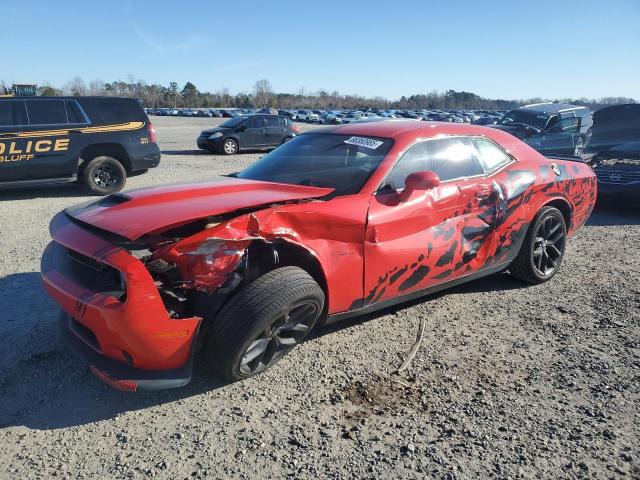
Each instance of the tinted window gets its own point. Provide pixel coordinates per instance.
(255, 122)
(6, 114)
(490, 155)
(524, 117)
(113, 111)
(233, 122)
(46, 112)
(415, 159)
(454, 158)
(566, 125)
(73, 113)
(274, 122)
(341, 162)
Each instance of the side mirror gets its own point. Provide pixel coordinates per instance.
(418, 181)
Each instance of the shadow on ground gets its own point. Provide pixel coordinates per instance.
(608, 212)
(45, 191)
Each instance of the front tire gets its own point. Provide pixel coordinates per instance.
(230, 147)
(104, 176)
(263, 322)
(543, 248)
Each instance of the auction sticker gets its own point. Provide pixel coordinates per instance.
(364, 142)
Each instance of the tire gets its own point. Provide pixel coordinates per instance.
(267, 318)
(104, 175)
(230, 147)
(542, 251)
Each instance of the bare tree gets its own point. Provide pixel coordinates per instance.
(262, 92)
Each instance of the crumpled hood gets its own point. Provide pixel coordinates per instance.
(519, 131)
(136, 212)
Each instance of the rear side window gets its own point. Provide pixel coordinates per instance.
(255, 122)
(113, 111)
(491, 156)
(46, 112)
(73, 113)
(274, 122)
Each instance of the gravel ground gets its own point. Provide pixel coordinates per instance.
(512, 381)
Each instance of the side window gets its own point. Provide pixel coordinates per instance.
(415, 159)
(46, 112)
(255, 122)
(74, 115)
(454, 157)
(566, 125)
(491, 156)
(273, 122)
(6, 114)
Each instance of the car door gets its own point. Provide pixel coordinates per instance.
(436, 235)
(13, 161)
(254, 133)
(51, 139)
(275, 130)
(560, 137)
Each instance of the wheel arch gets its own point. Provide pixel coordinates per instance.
(565, 208)
(114, 150)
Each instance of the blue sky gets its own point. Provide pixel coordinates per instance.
(498, 49)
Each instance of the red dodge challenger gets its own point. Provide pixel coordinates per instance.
(332, 224)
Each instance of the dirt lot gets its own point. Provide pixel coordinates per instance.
(512, 381)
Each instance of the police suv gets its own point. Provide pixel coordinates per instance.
(97, 141)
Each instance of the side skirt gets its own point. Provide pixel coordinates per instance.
(417, 294)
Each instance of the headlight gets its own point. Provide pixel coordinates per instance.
(215, 135)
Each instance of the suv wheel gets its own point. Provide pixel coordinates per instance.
(230, 146)
(104, 175)
(263, 322)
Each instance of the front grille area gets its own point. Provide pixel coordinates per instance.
(618, 177)
(93, 275)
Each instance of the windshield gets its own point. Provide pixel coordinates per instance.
(341, 162)
(537, 120)
(233, 122)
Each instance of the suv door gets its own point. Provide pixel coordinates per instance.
(275, 130)
(560, 137)
(13, 160)
(54, 142)
(254, 133)
(437, 235)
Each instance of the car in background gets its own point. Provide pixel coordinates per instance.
(247, 132)
(96, 141)
(334, 224)
(614, 151)
(204, 112)
(550, 128)
(308, 116)
(289, 114)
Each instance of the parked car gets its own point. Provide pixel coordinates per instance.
(333, 224)
(614, 152)
(550, 128)
(204, 113)
(247, 131)
(308, 116)
(96, 141)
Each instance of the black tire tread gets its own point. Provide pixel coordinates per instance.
(87, 181)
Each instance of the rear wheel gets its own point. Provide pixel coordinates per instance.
(230, 146)
(543, 248)
(104, 175)
(263, 322)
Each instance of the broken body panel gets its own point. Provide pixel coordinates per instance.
(177, 247)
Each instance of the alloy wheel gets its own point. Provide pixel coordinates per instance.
(277, 339)
(230, 147)
(548, 246)
(105, 176)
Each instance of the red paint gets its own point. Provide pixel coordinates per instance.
(370, 247)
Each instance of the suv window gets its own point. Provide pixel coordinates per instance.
(46, 112)
(566, 125)
(73, 113)
(112, 111)
(491, 156)
(6, 114)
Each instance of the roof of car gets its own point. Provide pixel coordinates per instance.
(551, 107)
(114, 99)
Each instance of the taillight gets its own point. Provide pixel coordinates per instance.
(152, 132)
(294, 128)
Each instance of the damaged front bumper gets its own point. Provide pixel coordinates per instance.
(114, 315)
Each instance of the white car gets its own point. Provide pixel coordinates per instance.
(308, 116)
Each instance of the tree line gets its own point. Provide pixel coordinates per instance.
(263, 95)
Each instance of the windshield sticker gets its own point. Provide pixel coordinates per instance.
(364, 142)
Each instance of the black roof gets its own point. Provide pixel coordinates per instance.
(551, 107)
(70, 98)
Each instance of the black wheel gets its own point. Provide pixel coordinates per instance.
(230, 147)
(263, 322)
(543, 248)
(579, 147)
(104, 175)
